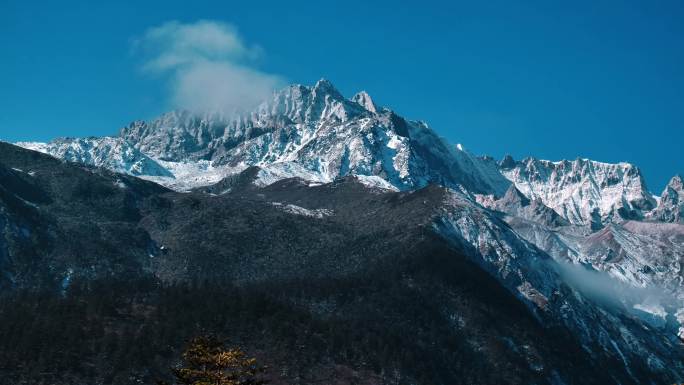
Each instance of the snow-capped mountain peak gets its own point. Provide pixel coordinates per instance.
(671, 203)
(324, 85)
(311, 132)
(676, 183)
(583, 191)
(308, 105)
(364, 100)
(315, 133)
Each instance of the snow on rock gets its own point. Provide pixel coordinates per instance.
(364, 100)
(108, 152)
(584, 192)
(498, 248)
(644, 257)
(269, 174)
(640, 253)
(35, 146)
(298, 210)
(186, 175)
(314, 133)
(653, 313)
(324, 134)
(120, 184)
(539, 282)
(375, 182)
(680, 319)
(671, 202)
(515, 203)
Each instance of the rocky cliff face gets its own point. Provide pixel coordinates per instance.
(584, 192)
(516, 204)
(671, 203)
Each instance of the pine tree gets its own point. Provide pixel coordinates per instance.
(208, 362)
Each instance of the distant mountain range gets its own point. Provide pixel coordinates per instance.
(314, 187)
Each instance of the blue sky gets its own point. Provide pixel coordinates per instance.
(596, 79)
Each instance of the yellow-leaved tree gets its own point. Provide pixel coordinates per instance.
(208, 362)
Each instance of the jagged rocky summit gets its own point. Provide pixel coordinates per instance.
(311, 132)
(671, 203)
(317, 134)
(584, 192)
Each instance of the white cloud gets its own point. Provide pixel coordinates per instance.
(209, 65)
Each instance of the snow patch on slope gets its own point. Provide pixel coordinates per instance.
(298, 210)
(108, 152)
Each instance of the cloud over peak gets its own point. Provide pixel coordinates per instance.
(208, 64)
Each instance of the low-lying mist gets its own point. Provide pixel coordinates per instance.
(602, 287)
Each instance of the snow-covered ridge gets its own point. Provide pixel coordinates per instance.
(109, 152)
(313, 133)
(298, 210)
(584, 192)
(316, 134)
(671, 202)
